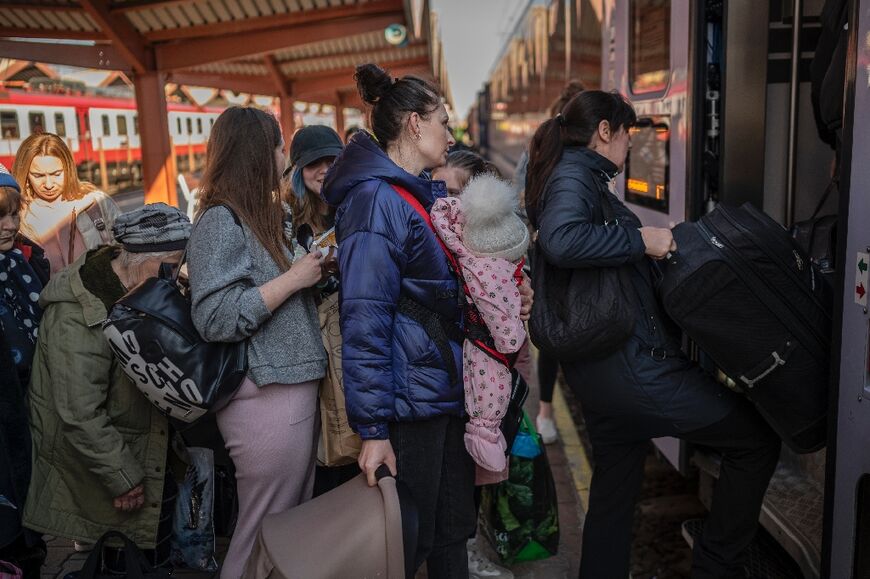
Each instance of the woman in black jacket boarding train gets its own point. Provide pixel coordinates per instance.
(647, 388)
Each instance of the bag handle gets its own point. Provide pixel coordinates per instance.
(137, 564)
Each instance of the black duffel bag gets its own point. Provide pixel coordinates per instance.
(580, 313)
(153, 337)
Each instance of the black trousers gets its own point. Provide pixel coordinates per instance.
(750, 450)
(548, 371)
(432, 461)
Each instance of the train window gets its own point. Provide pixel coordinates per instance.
(178, 125)
(649, 45)
(189, 126)
(107, 129)
(647, 167)
(59, 125)
(36, 121)
(199, 126)
(9, 125)
(122, 125)
(135, 124)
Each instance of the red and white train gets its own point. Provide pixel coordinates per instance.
(91, 124)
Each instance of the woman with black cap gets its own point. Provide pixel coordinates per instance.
(312, 153)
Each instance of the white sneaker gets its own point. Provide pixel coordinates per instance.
(480, 567)
(547, 430)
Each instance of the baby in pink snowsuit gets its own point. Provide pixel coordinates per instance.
(488, 239)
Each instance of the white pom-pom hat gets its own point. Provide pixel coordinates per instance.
(492, 227)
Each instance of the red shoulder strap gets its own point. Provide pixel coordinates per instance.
(418, 207)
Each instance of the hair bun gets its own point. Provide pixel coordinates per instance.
(372, 82)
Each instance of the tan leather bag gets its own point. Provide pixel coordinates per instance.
(352, 532)
(339, 444)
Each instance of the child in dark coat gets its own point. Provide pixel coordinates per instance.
(23, 273)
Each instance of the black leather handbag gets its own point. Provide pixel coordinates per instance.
(580, 313)
(153, 337)
(136, 565)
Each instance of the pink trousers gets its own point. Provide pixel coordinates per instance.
(270, 435)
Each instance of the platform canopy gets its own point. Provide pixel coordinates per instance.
(293, 49)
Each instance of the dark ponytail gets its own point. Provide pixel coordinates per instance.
(575, 126)
(392, 99)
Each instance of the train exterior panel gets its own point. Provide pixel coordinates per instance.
(848, 539)
(723, 94)
(646, 58)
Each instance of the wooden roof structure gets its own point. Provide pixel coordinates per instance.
(293, 49)
(303, 48)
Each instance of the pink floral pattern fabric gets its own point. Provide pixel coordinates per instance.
(487, 382)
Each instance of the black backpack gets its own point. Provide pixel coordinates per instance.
(151, 332)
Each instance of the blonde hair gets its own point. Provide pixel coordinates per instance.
(48, 145)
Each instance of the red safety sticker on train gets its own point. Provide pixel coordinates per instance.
(861, 287)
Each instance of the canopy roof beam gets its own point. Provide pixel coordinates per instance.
(342, 78)
(219, 48)
(123, 35)
(14, 32)
(282, 84)
(240, 83)
(101, 56)
(373, 8)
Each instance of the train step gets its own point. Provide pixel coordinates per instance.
(791, 514)
(767, 560)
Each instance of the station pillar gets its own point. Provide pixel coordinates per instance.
(339, 119)
(288, 120)
(158, 167)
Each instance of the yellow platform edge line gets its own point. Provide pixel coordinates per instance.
(575, 452)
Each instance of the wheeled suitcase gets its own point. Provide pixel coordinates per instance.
(745, 292)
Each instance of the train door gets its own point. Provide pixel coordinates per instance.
(847, 537)
(722, 92)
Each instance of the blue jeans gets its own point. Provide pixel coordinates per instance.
(432, 461)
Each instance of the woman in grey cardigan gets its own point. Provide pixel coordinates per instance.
(246, 285)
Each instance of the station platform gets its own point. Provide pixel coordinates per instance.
(571, 472)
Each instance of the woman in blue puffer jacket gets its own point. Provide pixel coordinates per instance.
(401, 314)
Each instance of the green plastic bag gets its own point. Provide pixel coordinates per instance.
(520, 516)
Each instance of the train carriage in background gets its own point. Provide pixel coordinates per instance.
(725, 101)
(102, 132)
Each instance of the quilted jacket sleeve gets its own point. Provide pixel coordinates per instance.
(227, 305)
(569, 234)
(371, 265)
